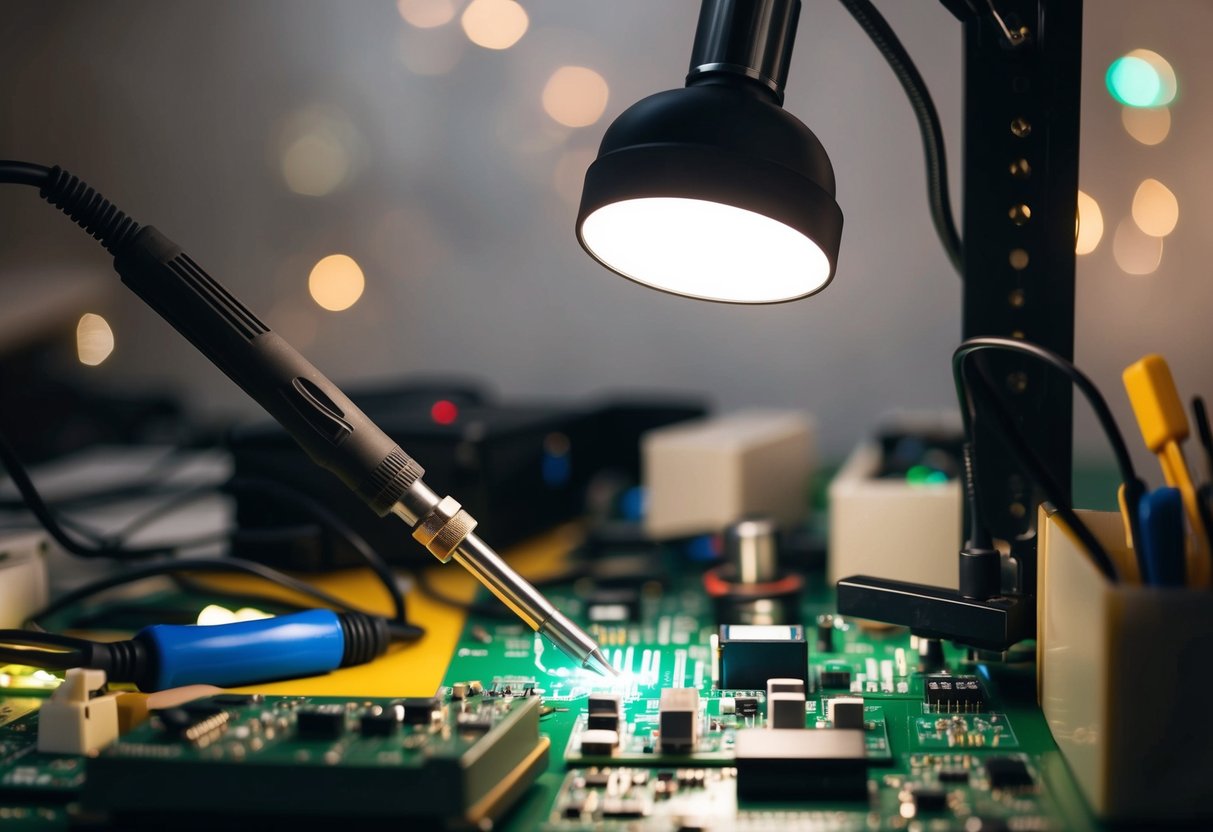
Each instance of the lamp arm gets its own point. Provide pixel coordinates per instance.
(938, 199)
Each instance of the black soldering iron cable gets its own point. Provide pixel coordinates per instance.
(1134, 487)
(899, 60)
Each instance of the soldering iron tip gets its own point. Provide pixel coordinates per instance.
(598, 663)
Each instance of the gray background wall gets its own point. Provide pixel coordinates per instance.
(179, 111)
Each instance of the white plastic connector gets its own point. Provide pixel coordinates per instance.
(75, 720)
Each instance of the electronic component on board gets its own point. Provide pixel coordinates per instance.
(785, 710)
(605, 710)
(751, 654)
(845, 712)
(79, 717)
(678, 719)
(380, 721)
(835, 679)
(825, 634)
(928, 799)
(746, 705)
(421, 710)
(599, 741)
(785, 686)
(750, 587)
(320, 722)
(784, 765)
(953, 694)
(1008, 773)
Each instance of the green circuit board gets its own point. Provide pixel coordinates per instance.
(927, 767)
(930, 766)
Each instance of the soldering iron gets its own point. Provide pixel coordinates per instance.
(329, 427)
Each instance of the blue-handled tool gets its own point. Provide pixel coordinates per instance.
(1162, 537)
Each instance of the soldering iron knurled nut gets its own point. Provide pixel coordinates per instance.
(444, 528)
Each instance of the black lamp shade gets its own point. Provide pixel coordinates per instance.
(714, 192)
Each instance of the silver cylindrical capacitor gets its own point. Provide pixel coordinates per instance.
(751, 546)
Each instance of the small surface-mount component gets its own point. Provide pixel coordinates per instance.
(785, 710)
(678, 718)
(953, 775)
(825, 634)
(746, 705)
(928, 799)
(953, 694)
(380, 722)
(78, 718)
(728, 705)
(599, 742)
(751, 654)
(474, 722)
(421, 710)
(320, 722)
(1008, 773)
(605, 710)
(613, 606)
(785, 765)
(845, 712)
(835, 679)
(785, 686)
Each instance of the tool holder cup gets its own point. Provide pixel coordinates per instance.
(1125, 675)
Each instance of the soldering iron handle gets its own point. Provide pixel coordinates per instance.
(334, 432)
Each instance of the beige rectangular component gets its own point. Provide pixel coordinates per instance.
(1123, 680)
(888, 528)
(23, 581)
(703, 475)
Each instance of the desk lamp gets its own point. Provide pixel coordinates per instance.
(715, 192)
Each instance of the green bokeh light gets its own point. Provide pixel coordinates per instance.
(1141, 79)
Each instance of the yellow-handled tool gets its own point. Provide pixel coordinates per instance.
(1164, 425)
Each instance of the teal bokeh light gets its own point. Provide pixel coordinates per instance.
(1141, 79)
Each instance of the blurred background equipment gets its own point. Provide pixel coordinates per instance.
(895, 505)
(519, 467)
(704, 475)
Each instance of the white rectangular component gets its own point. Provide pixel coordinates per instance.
(845, 711)
(785, 686)
(785, 710)
(889, 528)
(73, 720)
(700, 476)
(23, 583)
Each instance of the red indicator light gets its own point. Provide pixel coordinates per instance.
(444, 412)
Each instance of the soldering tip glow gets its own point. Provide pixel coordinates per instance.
(598, 663)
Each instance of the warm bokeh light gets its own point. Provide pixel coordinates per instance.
(336, 282)
(494, 24)
(94, 339)
(426, 14)
(1088, 224)
(1155, 208)
(319, 151)
(575, 96)
(1136, 252)
(1148, 125)
(1142, 78)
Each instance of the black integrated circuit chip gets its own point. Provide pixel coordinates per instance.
(321, 722)
(953, 694)
(835, 679)
(786, 764)
(1008, 773)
